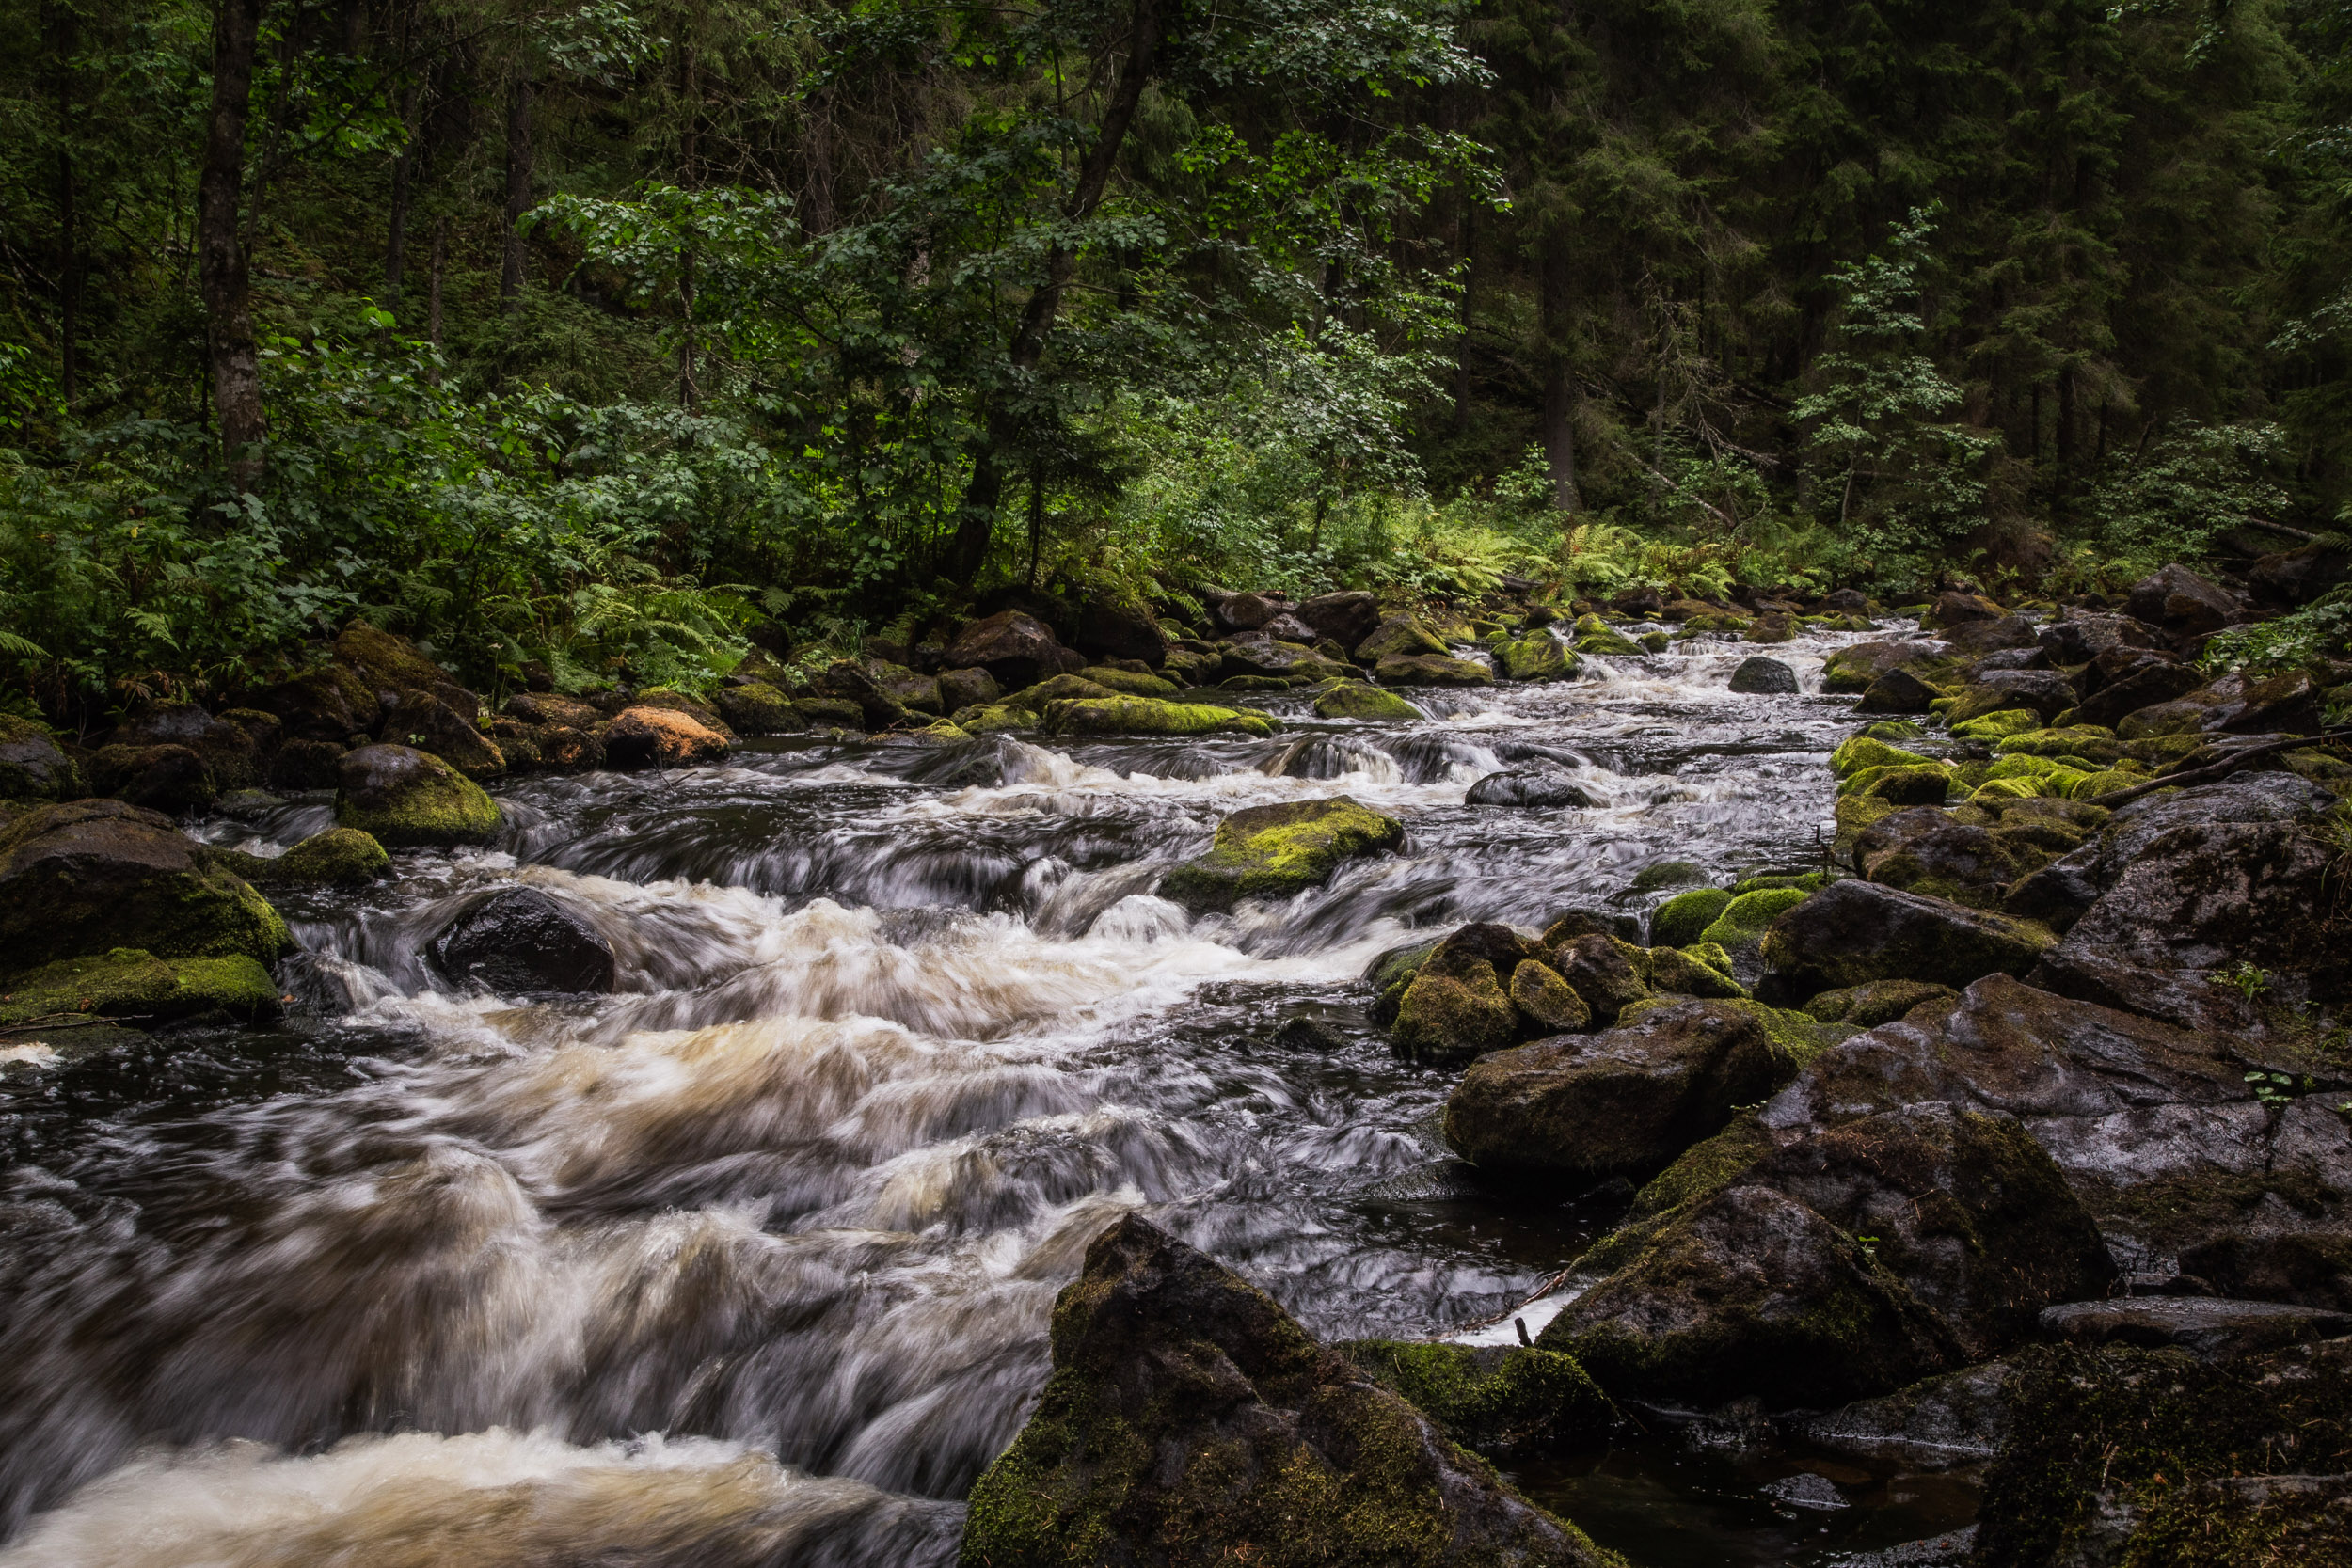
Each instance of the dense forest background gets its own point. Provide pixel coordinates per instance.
(611, 333)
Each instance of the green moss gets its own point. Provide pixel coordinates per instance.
(131, 983)
(1538, 656)
(1804, 881)
(1679, 973)
(1547, 1004)
(1860, 752)
(1866, 1007)
(1998, 724)
(992, 718)
(1453, 1017)
(1892, 730)
(340, 857)
(2090, 742)
(1273, 851)
(1150, 716)
(1128, 683)
(1682, 919)
(758, 708)
(1746, 917)
(1355, 700)
(940, 732)
(1060, 687)
(32, 766)
(1430, 670)
(1604, 642)
(1494, 1399)
(2006, 789)
(1703, 1169)
(436, 806)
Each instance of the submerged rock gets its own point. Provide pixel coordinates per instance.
(91, 876)
(1549, 791)
(1274, 852)
(406, 799)
(1188, 1419)
(521, 940)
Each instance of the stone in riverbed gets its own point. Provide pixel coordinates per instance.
(647, 736)
(134, 984)
(169, 778)
(1601, 968)
(1850, 933)
(962, 689)
(1126, 683)
(1454, 1008)
(340, 857)
(1188, 1419)
(1538, 656)
(406, 799)
(1897, 691)
(521, 940)
(1682, 919)
(91, 875)
(1345, 618)
(1150, 716)
(1429, 670)
(32, 765)
(1764, 677)
(1399, 636)
(1497, 1399)
(1545, 790)
(756, 708)
(1355, 700)
(2180, 602)
(1546, 1002)
(1017, 649)
(1619, 1103)
(1274, 852)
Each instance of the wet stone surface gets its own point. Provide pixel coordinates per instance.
(761, 1247)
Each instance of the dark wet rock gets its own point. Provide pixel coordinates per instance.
(1850, 933)
(1552, 791)
(1749, 1291)
(134, 985)
(169, 778)
(2143, 682)
(1310, 1034)
(407, 799)
(2293, 578)
(1601, 968)
(331, 703)
(643, 736)
(1430, 670)
(1866, 1007)
(973, 688)
(1959, 1418)
(2202, 1325)
(1984, 637)
(1897, 691)
(421, 719)
(2157, 1460)
(33, 767)
(1345, 618)
(1188, 1417)
(1537, 657)
(388, 663)
(1735, 1427)
(1498, 1400)
(1268, 657)
(1854, 668)
(1623, 1103)
(862, 685)
(2262, 1258)
(235, 746)
(547, 707)
(521, 941)
(1286, 628)
(2179, 601)
(759, 708)
(1642, 600)
(2045, 693)
(1455, 1003)
(1929, 851)
(2083, 636)
(2011, 659)
(1704, 970)
(91, 876)
(1115, 626)
(1240, 612)
(1764, 677)
(1807, 1490)
(1274, 851)
(2286, 704)
(1956, 609)
(1682, 919)
(1399, 636)
(1355, 700)
(301, 765)
(1548, 1004)
(1017, 649)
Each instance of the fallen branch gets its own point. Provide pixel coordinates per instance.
(2214, 771)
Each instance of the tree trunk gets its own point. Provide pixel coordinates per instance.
(404, 176)
(977, 523)
(1559, 384)
(236, 372)
(1467, 239)
(433, 289)
(518, 99)
(61, 31)
(2062, 449)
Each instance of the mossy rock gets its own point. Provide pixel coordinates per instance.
(1355, 700)
(340, 857)
(1057, 689)
(1998, 725)
(1400, 635)
(1860, 752)
(407, 799)
(1747, 917)
(1430, 670)
(758, 708)
(1906, 786)
(1496, 1398)
(1274, 851)
(1656, 641)
(1684, 918)
(1607, 641)
(1454, 1016)
(992, 718)
(2091, 742)
(1808, 882)
(1680, 973)
(1260, 683)
(32, 765)
(2089, 786)
(132, 984)
(1150, 716)
(1538, 656)
(1128, 683)
(940, 732)
(1668, 874)
(1894, 730)
(1866, 1007)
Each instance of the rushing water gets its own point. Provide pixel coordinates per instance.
(751, 1262)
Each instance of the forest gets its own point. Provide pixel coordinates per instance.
(616, 337)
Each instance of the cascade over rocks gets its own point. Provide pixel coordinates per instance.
(89, 876)
(1188, 1419)
(519, 941)
(1274, 852)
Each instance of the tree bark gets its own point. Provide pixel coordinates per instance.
(404, 178)
(978, 522)
(1558, 385)
(518, 100)
(1467, 239)
(236, 371)
(62, 32)
(433, 289)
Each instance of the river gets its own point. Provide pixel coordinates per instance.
(751, 1262)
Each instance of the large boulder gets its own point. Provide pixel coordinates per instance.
(1189, 1421)
(756, 708)
(1764, 677)
(1853, 932)
(169, 778)
(32, 765)
(2293, 578)
(1119, 625)
(1399, 635)
(1854, 668)
(2180, 602)
(1355, 700)
(2081, 636)
(2288, 704)
(388, 663)
(1267, 657)
(234, 747)
(1537, 657)
(1625, 1103)
(406, 799)
(1430, 670)
(89, 876)
(1149, 716)
(1247, 611)
(1274, 851)
(423, 720)
(860, 683)
(642, 736)
(1531, 787)
(2045, 692)
(1344, 618)
(1929, 851)
(519, 941)
(129, 983)
(1017, 649)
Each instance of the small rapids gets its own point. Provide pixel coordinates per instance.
(751, 1261)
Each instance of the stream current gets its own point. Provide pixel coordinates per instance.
(751, 1261)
